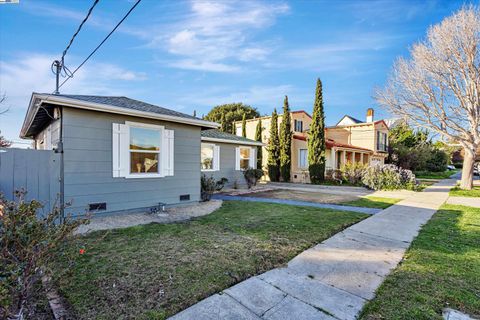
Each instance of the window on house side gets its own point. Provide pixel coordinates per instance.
(302, 158)
(144, 149)
(245, 158)
(207, 156)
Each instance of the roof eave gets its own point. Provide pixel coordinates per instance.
(250, 143)
(73, 103)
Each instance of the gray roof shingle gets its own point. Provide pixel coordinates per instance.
(216, 134)
(124, 102)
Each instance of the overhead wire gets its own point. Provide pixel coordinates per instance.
(101, 43)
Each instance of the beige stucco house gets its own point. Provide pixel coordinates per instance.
(350, 140)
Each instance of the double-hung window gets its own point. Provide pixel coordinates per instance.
(209, 157)
(298, 125)
(245, 158)
(142, 150)
(302, 158)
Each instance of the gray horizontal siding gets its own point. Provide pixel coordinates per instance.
(88, 165)
(227, 166)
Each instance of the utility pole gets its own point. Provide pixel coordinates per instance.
(58, 68)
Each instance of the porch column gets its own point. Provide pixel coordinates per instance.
(353, 157)
(344, 157)
(333, 158)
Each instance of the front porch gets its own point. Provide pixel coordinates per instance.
(342, 156)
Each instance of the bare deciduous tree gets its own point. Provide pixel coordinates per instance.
(438, 87)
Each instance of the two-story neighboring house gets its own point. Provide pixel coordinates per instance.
(350, 140)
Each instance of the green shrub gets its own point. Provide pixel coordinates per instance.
(252, 176)
(438, 160)
(29, 244)
(353, 172)
(274, 172)
(389, 177)
(209, 185)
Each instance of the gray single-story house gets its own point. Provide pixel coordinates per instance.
(120, 154)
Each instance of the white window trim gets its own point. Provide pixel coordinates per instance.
(300, 157)
(252, 159)
(161, 129)
(216, 157)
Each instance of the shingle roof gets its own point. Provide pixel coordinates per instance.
(354, 120)
(216, 134)
(125, 102)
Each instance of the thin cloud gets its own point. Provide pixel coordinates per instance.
(218, 36)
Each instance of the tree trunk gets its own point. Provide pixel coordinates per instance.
(467, 170)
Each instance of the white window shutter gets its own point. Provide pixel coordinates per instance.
(253, 158)
(168, 153)
(237, 158)
(119, 150)
(216, 156)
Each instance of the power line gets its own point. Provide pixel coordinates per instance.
(79, 28)
(101, 43)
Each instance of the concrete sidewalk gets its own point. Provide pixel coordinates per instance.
(334, 279)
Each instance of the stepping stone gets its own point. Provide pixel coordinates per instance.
(339, 303)
(451, 314)
(216, 307)
(256, 295)
(291, 308)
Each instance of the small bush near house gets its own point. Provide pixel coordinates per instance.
(353, 173)
(209, 185)
(389, 177)
(252, 176)
(28, 247)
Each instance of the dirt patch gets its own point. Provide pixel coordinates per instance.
(317, 197)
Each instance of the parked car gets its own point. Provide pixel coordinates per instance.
(450, 167)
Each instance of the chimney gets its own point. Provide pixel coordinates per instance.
(370, 115)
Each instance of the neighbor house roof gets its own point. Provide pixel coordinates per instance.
(37, 113)
(279, 115)
(330, 143)
(214, 135)
(358, 124)
(354, 120)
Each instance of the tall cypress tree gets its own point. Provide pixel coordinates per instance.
(244, 126)
(258, 137)
(285, 142)
(273, 161)
(316, 139)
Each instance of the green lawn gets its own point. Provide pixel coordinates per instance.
(434, 175)
(372, 202)
(156, 270)
(457, 192)
(441, 269)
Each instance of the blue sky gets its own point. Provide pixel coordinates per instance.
(193, 55)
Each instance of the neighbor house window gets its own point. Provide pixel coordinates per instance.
(209, 157)
(144, 150)
(302, 158)
(298, 125)
(382, 141)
